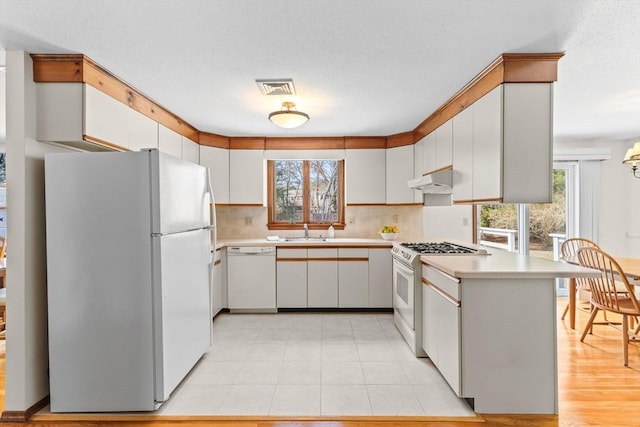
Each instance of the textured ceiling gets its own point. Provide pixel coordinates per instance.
(360, 67)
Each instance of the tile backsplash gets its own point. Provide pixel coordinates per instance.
(249, 222)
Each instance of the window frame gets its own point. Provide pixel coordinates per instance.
(273, 225)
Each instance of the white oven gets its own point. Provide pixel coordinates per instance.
(403, 292)
(407, 301)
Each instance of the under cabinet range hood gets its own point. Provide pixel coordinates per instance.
(438, 182)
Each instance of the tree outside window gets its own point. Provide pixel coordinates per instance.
(305, 191)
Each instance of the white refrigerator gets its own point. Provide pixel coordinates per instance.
(129, 239)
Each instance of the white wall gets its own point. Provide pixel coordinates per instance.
(27, 353)
(448, 222)
(619, 204)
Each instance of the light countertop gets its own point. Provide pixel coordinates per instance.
(329, 243)
(504, 265)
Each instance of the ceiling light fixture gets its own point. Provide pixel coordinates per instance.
(287, 117)
(633, 157)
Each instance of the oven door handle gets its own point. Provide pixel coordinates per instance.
(403, 269)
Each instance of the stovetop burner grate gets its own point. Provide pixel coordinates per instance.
(439, 248)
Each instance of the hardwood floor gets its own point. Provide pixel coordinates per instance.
(595, 389)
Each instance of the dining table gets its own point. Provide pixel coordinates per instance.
(630, 267)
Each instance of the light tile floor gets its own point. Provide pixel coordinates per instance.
(312, 365)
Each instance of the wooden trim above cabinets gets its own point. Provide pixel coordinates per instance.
(400, 139)
(246, 143)
(77, 68)
(362, 142)
(213, 140)
(507, 68)
(305, 143)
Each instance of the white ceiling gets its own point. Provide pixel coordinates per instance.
(360, 67)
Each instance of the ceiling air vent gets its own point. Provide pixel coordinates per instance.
(276, 87)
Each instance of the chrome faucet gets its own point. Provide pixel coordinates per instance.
(306, 230)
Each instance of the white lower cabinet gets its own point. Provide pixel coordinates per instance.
(380, 278)
(322, 278)
(442, 345)
(334, 277)
(219, 284)
(291, 278)
(353, 277)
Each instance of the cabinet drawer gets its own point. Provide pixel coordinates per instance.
(448, 284)
(322, 253)
(292, 253)
(353, 253)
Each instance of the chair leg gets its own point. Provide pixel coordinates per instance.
(625, 339)
(589, 324)
(564, 313)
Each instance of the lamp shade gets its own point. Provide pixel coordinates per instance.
(287, 117)
(633, 154)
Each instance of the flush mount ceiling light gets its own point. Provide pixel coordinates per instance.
(633, 157)
(288, 117)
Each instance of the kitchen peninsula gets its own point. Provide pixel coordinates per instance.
(489, 325)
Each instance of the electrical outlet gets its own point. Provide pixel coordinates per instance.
(248, 220)
(351, 220)
(465, 222)
(394, 218)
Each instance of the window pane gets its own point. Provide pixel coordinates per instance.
(323, 196)
(288, 191)
(498, 226)
(549, 220)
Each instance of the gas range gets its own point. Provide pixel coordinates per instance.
(410, 251)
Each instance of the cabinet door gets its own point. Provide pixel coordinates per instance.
(190, 150)
(169, 142)
(142, 131)
(528, 154)
(463, 155)
(429, 153)
(399, 172)
(246, 177)
(291, 278)
(365, 176)
(448, 338)
(217, 160)
(353, 278)
(105, 118)
(429, 324)
(417, 168)
(444, 144)
(487, 146)
(380, 278)
(322, 278)
(216, 285)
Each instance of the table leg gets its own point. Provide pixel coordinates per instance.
(572, 303)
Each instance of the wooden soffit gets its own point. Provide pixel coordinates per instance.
(507, 68)
(77, 68)
(213, 140)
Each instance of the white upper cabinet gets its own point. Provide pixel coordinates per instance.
(246, 177)
(365, 176)
(463, 155)
(169, 142)
(503, 146)
(105, 118)
(428, 153)
(143, 131)
(399, 172)
(417, 167)
(217, 160)
(72, 113)
(444, 145)
(190, 150)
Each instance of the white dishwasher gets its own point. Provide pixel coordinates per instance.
(251, 278)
